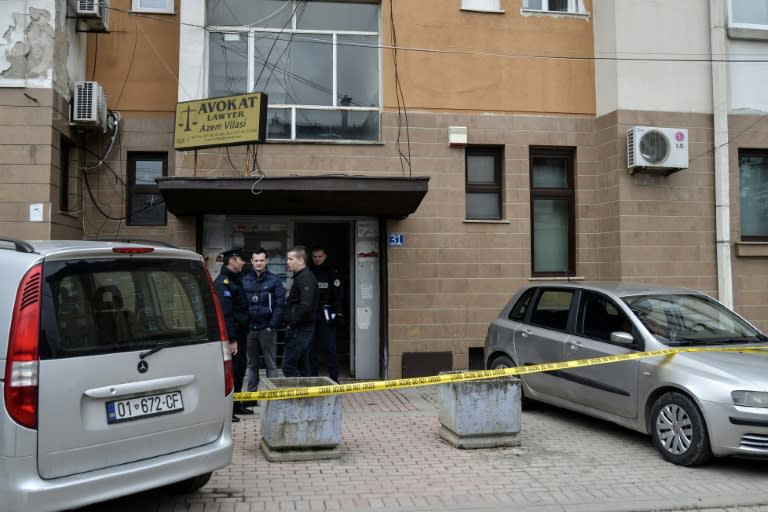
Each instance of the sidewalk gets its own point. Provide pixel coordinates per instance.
(392, 459)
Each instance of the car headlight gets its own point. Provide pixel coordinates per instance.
(750, 398)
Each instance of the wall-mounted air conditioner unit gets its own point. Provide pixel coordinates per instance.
(89, 106)
(92, 15)
(655, 150)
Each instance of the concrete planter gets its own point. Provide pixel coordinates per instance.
(482, 413)
(301, 428)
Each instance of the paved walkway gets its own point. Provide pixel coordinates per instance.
(392, 459)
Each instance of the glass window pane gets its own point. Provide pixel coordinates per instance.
(358, 74)
(550, 235)
(336, 125)
(295, 69)
(279, 123)
(483, 206)
(481, 169)
(338, 16)
(272, 72)
(155, 5)
(753, 187)
(533, 4)
(750, 11)
(147, 171)
(550, 172)
(228, 64)
(255, 13)
(147, 209)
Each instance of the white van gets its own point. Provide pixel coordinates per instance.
(115, 373)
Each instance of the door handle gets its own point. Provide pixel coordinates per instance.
(575, 346)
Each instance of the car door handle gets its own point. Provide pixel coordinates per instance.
(576, 346)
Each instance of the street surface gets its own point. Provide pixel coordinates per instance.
(393, 460)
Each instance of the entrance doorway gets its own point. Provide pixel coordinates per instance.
(335, 238)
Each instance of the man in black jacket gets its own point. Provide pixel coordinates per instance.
(329, 312)
(300, 308)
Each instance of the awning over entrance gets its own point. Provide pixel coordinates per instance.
(393, 197)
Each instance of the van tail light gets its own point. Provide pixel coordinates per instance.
(229, 376)
(20, 391)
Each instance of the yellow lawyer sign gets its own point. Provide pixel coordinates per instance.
(222, 121)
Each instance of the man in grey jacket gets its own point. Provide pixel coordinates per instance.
(300, 308)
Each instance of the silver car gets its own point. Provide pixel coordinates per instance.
(694, 405)
(113, 374)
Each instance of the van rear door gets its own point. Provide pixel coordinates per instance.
(131, 363)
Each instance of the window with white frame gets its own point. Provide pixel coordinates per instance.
(481, 5)
(155, 6)
(572, 6)
(748, 13)
(753, 194)
(317, 62)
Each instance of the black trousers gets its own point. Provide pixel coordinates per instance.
(240, 361)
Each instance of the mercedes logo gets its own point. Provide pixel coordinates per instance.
(143, 366)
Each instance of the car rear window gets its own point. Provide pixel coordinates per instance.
(124, 304)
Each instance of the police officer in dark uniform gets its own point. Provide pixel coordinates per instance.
(329, 313)
(235, 309)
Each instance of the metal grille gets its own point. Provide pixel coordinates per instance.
(88, 6)
(84, 102)
(754, 441)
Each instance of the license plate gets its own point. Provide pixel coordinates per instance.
(144, 406)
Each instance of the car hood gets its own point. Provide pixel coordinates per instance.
(724, 371)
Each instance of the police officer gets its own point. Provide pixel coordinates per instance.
(235, 309)
(329, 313)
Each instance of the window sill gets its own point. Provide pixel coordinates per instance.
(535, 12)
(489, 11)
(557, 278)
(751, 249)
(150, 11)
(750, 33)
(487, 221)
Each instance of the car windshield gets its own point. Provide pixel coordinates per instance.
(685, 319)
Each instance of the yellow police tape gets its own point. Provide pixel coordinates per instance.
(381, 385)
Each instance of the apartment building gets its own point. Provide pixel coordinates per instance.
(444, 152)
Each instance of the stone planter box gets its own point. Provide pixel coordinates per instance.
(483, 413)
(301, 428)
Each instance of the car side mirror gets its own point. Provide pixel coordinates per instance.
(622, 338)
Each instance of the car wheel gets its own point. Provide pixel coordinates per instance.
(678, 430)
(190, 484)
(506, 362)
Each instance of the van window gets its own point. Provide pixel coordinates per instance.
(96, 306)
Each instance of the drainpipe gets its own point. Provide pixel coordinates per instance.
(718, 52)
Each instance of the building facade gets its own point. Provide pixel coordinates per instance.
(443, 153)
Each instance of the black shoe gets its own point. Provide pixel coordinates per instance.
(235, 419)
(241, 409)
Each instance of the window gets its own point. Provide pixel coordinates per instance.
(483, 182)
(552, 212)
(481, 5)
(748, 12)
(145, 204)
(599, 317)
(318, 63)
(552, 309)
(64, 175)
(753, 194)
(156, 6)
(521, 306)
(748, 19)
(573, 6)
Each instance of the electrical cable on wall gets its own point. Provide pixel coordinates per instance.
(402, 112)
